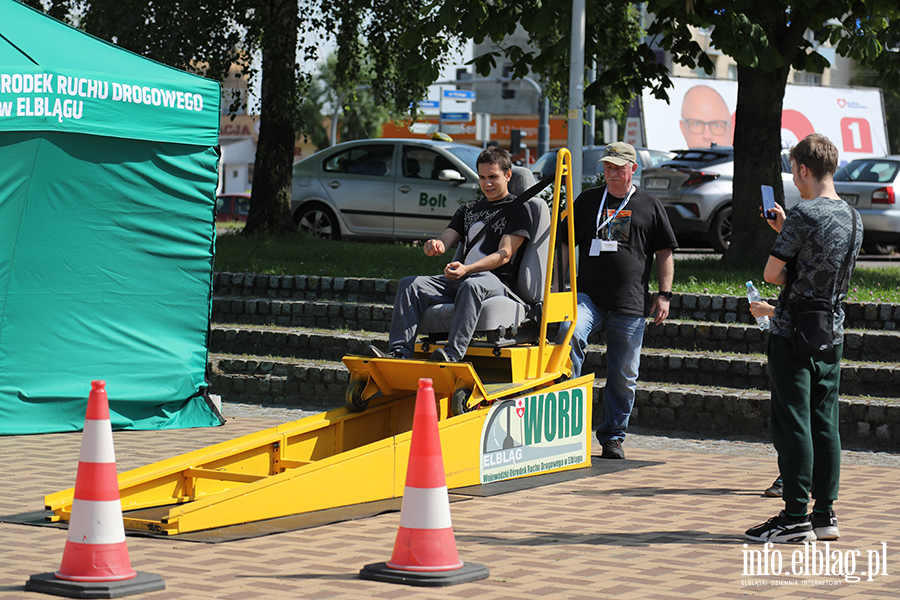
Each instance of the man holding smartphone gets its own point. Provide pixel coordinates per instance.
(813, 245)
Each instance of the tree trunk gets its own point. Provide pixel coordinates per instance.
(757, 161)
(270, 202)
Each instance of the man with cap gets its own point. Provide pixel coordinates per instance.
(619, 229)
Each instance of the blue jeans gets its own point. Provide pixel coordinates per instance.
(624, 336)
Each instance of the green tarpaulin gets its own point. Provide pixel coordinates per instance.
(107, 230)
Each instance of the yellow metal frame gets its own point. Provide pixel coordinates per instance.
(340, 458)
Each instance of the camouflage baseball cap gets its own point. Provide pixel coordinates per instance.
(619, 154)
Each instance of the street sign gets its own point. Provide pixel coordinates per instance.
(456, 116)
(429, 104)
(460, 94)
(483, 127)
(425, 128)
(453, 128)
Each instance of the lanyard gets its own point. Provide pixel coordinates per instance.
(607, 221)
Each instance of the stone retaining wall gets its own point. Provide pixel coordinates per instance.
(874, 423)
(710, 411)
(696, 307)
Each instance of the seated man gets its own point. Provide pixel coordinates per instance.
(488, 268)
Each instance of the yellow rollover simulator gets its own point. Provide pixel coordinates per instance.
(508, 411)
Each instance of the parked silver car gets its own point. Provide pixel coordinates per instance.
(383, 188)
(590, 166)
(696, 189)
(872, 186)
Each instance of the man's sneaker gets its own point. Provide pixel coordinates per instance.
(776, 489)
(824, 525)
(440, 355)
(376, 352)
(612, 449)
(783, 529)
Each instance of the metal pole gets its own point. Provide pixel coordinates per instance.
(543, 145)
(590, 127)
(576, 93)
(334, 119)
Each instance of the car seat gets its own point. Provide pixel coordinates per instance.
(504, 320)
(411, 168)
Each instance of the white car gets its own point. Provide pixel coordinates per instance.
(872, 186)
(383, 188)
(590, 163)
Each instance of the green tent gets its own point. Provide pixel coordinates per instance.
(107, 230)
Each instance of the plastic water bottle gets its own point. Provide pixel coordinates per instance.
(753, 296)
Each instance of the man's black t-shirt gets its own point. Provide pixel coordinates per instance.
(471, 217)
(618, 281)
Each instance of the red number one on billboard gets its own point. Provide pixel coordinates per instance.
(857, 136)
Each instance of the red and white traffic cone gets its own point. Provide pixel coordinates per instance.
(96, 555)
(425, 550)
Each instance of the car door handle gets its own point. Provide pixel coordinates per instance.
(405, 188)
(334, 185)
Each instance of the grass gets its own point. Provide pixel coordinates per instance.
(306, 255)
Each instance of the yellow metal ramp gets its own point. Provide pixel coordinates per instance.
(341, 458)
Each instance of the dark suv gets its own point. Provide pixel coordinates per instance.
(696, 188)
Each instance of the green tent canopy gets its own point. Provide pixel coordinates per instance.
(107, 230)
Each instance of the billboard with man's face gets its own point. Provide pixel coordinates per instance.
(701, 112)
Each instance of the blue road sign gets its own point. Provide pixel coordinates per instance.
(459, 94)
(429, 104)
(456, 116)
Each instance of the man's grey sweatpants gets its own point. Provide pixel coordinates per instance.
(415, 294)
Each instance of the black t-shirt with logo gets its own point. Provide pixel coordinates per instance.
(619, 281)
(471, 217)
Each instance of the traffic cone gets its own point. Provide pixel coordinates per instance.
(95, 559)
(425, 549)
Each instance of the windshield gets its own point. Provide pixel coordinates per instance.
(467, 154)
(872, 170)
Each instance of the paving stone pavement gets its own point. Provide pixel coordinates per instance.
(669, 531)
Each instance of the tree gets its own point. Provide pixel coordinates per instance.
(361, 115)
(209, 36)
(766, 38)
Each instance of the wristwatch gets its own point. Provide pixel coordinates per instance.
(666, 295)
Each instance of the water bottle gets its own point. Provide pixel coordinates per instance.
(753, 296)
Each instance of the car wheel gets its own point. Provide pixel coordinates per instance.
(719, 236)
(879, 249)
(318, 220)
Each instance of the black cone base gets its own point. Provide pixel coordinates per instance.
(466, 573)
(47, 583)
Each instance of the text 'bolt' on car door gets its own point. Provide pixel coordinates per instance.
(360, 183)
(424, 203)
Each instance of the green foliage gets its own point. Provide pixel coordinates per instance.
(361, 117)
(769, 34)
(613, 32)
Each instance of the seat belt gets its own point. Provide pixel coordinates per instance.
(519, 201)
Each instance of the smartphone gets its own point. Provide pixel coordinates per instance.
(768, 198)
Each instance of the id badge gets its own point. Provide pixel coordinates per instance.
(598, 246)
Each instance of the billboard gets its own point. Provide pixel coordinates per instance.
(702, 111)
